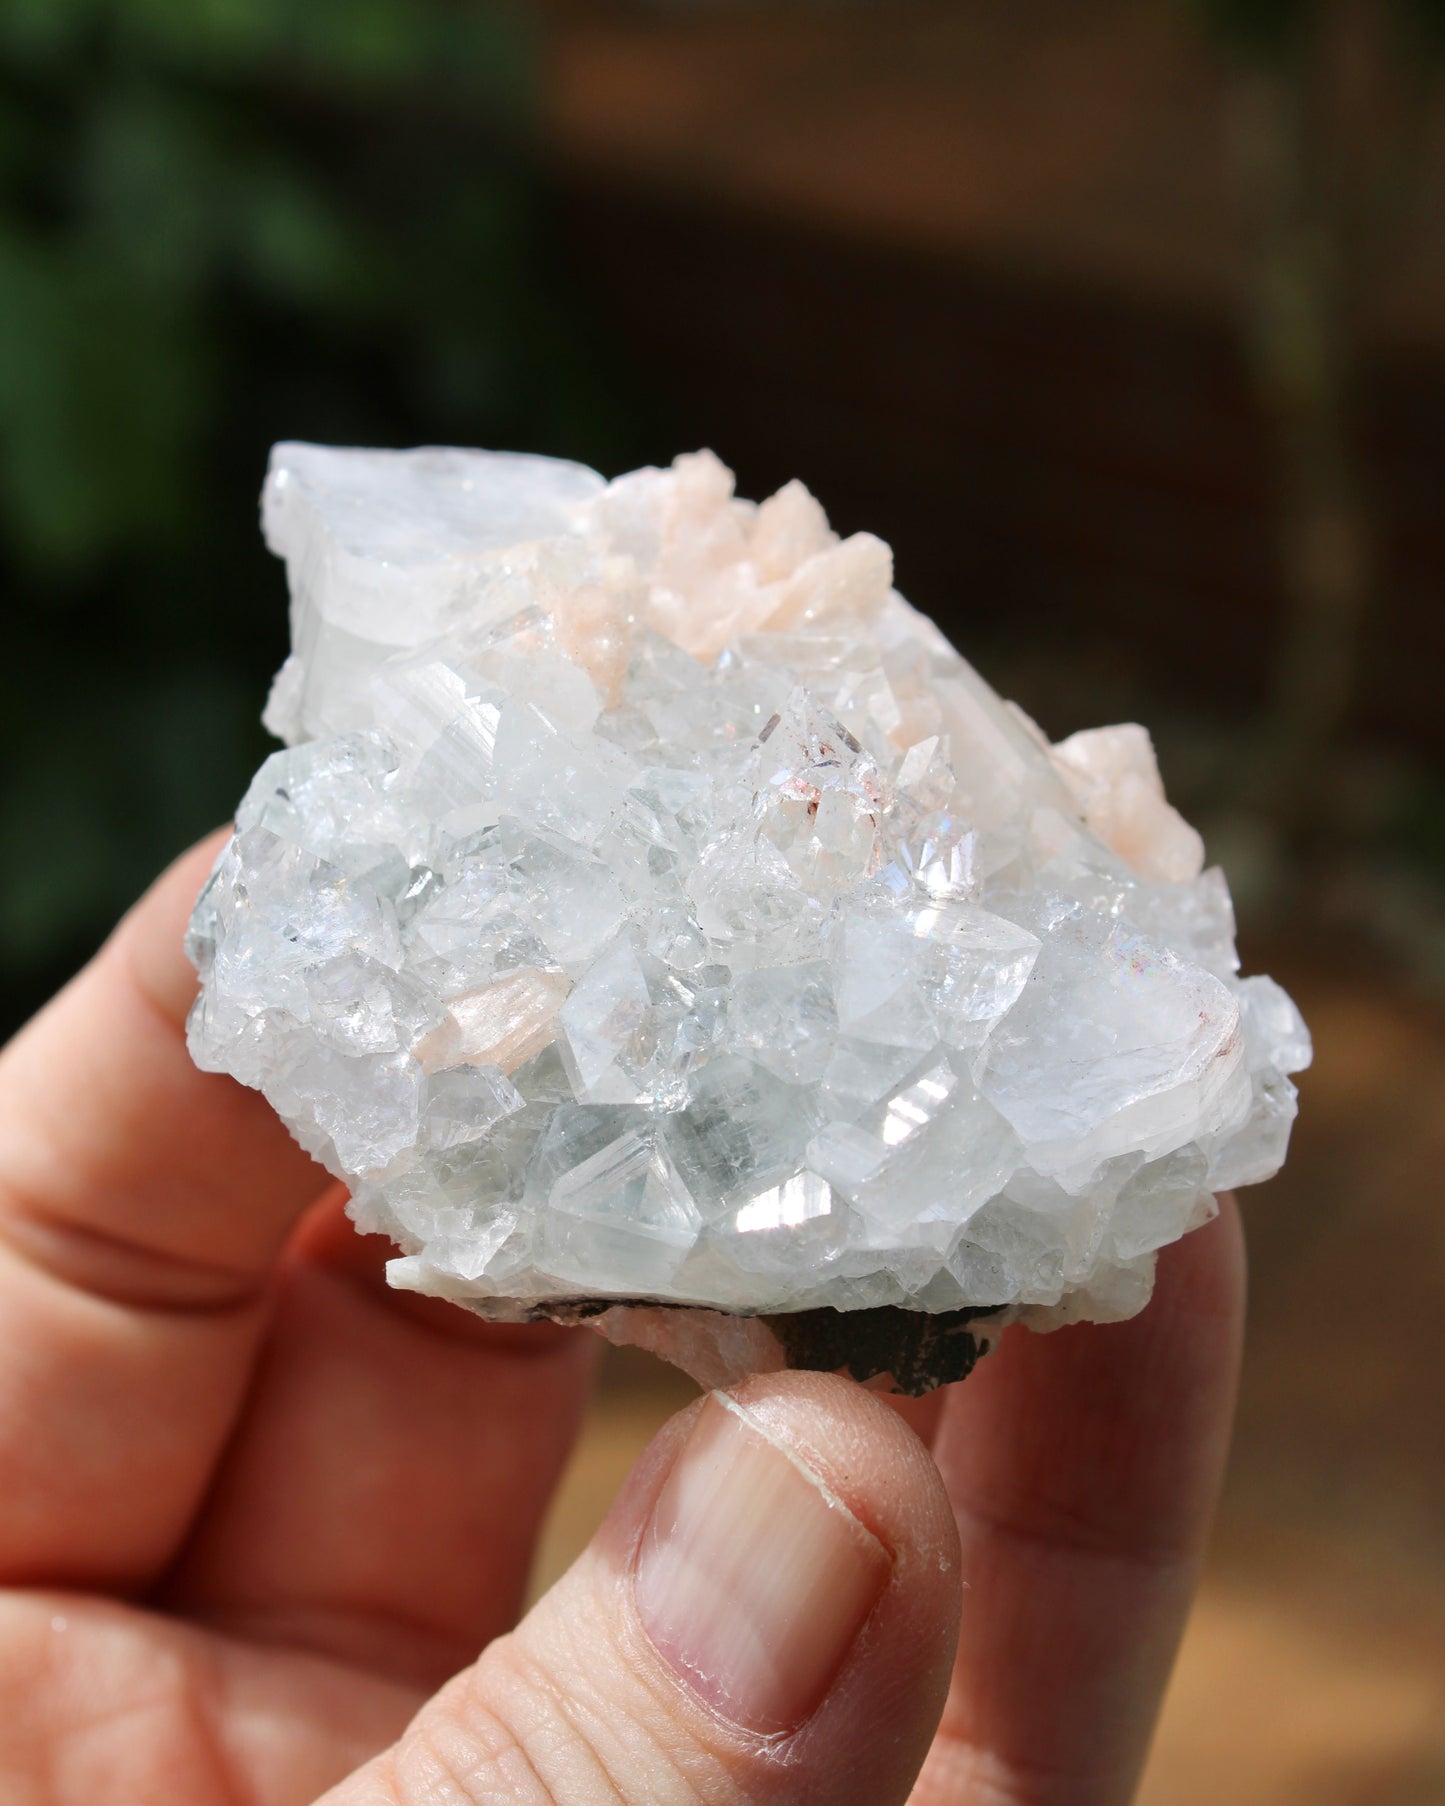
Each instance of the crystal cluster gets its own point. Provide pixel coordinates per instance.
(650, 905)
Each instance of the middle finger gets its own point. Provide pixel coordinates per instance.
(386, 1484)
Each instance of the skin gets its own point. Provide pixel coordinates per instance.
(257, 1508)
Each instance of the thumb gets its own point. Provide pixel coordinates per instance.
(768, 1614)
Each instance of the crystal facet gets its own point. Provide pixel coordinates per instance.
(649, 906)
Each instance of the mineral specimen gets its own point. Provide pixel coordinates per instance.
(650, 908)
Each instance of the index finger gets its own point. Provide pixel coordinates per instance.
(1083, 1468)
(142, 1205)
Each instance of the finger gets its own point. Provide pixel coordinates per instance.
(922, 1415)
(768, 1615)
(142, 1203)
(387, 1482)
(105, 1705)
(1083, 1468)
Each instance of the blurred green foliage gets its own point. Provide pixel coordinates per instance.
(224, 222)
(1275, 28)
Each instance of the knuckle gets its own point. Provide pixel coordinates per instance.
(509, 1731)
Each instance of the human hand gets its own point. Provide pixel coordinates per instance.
(255, 1507)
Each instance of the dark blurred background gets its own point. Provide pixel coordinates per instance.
(1125, 323)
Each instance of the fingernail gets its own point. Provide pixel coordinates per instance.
(753, 1578)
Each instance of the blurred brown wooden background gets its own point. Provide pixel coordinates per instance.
(979, 270)
(975, 272)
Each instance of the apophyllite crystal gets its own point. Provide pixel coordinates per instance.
(651, 908)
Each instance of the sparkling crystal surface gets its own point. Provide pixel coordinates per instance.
(649, 904)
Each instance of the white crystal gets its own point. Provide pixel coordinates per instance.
(464, 1104)
(650, 905)
(621, 1219)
